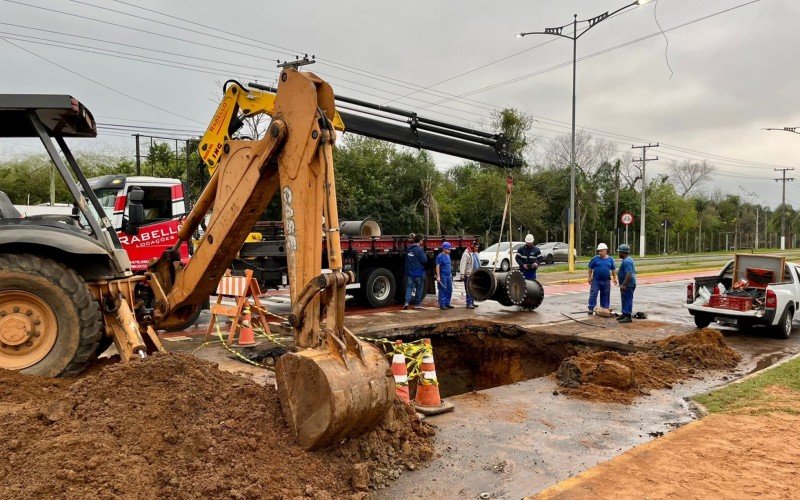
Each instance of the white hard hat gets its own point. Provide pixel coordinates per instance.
(602, 246)
(529, 238)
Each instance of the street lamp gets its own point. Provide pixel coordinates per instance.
(557, 31)
(785, 129)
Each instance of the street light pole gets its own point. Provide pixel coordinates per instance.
(557, 31)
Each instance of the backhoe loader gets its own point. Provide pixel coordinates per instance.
(66, 286)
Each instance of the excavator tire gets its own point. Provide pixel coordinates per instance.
(50, 324)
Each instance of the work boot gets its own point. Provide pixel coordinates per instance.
(626, 319)
(405, 306)
(450, 306)
(443, 308)
(471, 306)
(619, 318)
(589, 312)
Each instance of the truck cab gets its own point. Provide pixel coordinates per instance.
(162, 208)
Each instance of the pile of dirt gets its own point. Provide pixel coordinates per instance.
(704, 349)
(613, 377)
(175, 426)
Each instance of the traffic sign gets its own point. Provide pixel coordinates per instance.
(626, 218)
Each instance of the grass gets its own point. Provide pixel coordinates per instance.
(753, 395)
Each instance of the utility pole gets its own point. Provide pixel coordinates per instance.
(756, 243)
(138, 156)
(642, 229)
(783, 179)
(616, 211)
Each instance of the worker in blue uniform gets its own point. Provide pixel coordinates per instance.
(444, 276)
(601, 272)
(627, 282)
(528, 258)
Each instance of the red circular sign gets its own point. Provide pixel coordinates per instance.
(626, 218)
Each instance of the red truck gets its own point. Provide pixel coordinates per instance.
(377, 260)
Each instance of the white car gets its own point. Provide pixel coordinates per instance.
(502, 263)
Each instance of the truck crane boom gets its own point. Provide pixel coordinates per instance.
(377, 121)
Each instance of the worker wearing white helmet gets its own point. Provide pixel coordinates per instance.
(601, 272)
(529, 257)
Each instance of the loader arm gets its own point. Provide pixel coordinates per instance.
(333, 386)
(238, 103)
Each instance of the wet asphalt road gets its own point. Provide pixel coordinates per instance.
(518, 439)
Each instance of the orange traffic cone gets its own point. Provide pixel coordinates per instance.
(400, 373)
(428, 401)
(246, 335)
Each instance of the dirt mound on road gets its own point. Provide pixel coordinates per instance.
(704, 349)
(613, 377)
(175, 426)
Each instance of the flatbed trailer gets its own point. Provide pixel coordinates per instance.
(377, 261)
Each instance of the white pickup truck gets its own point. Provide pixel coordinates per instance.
(750, 290)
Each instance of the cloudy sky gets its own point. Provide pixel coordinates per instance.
(158, 66)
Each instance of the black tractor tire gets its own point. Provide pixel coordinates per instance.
(78, 324)
(549, 259)
(702, 320)
(783, 329)
(378, 287)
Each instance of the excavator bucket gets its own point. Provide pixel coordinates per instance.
(326, 399)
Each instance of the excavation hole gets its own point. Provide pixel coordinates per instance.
(472, 356)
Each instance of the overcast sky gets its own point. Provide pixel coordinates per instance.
(732, 73)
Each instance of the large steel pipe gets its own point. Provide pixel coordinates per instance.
(367, 227)
(506, 288)
(509, 289)
(534, 295)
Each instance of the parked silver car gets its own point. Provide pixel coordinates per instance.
(554, 251)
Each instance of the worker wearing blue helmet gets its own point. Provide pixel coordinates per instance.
(444, 276)
(627, 282)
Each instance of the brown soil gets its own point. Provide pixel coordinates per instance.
(721, 456)
(704, 348)
(173, 426)
(613, 377)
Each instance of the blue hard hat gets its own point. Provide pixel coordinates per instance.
(624, 248)
(446, 245)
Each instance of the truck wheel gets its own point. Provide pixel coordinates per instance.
(378, 287)
(549, 259)
(784, 327)
(504, 266)
(50, 324)
(702, 320)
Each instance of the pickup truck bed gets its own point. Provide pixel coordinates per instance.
(771, 303)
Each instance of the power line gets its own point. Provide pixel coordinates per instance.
(604, 51)
(146, 103)
(172, 64)
(166, 62)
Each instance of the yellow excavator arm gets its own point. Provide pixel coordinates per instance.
(238, 103)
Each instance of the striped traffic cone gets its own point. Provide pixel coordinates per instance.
(246, 335)
(400, 373)
(428, 401)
